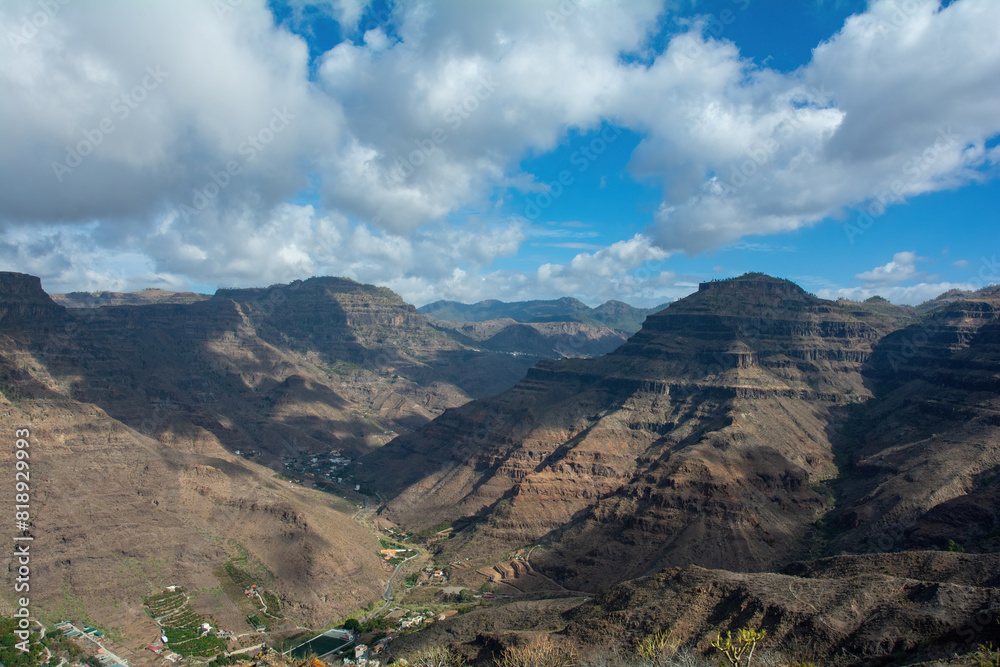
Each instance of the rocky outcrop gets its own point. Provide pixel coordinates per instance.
(24, 305)
(905, 608)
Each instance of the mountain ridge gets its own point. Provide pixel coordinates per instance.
(612, 314)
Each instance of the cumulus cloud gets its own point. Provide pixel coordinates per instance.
(903, 294)
(902, 268)
(200, 126)
(878, 116)
(890, 281)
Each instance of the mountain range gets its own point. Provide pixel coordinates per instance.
(752, 456)
(611, 314)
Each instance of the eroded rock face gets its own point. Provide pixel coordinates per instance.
(922, 460)
(853, 610)
(698, 440)
(23, 303)
(138, 411)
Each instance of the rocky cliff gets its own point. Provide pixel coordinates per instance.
(23, 304)
(138, 414)
(921, 462)
(698, 440)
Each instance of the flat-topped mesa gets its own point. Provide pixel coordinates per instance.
(756, 331)
(325, 301)
(23, 303)
(760, 282)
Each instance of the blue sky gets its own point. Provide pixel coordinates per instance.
(514, 150)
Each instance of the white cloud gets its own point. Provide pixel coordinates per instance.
(141, 104)
(894, 105)
(902, 268)
(414, 125)
(909, 294)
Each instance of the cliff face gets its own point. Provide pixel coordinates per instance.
(922, 460)
(137, 412)
(23, 303)
(316, 364)
(698, 440)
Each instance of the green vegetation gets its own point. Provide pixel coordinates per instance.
(955, 547)
(272, 603)
(427, 532)
(739, 652)
(655, 645)
(10, 655)
(181, 625)
(60, 645)
(240, 577)
(987, 656)
(222, 660)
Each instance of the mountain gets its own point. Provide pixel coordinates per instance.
(143, 298)
(753, 457)
(698, 440)
(138, 416)
(921, 461)
(692, 477)
(544, 340)
(743, 427)
(612, 314)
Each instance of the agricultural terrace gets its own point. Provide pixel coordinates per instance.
(181, 625)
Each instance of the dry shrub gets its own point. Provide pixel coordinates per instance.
(540, 652)
(439, 656)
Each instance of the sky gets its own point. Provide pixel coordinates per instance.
(507, 149)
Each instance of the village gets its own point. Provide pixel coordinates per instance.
(324, 471)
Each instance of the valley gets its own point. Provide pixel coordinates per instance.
(752, 456)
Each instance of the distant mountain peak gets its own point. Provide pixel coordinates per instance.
(753, 281)
(612, 314)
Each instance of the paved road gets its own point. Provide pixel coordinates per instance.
(356, 514)
(387, 596)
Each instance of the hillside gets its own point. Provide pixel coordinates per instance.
(689, 473)
(544, 340)
(143, 419)
(851, 610)
(706, 429)
(687, 480)
(718, 435)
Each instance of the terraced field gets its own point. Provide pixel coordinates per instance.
(181, 625)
